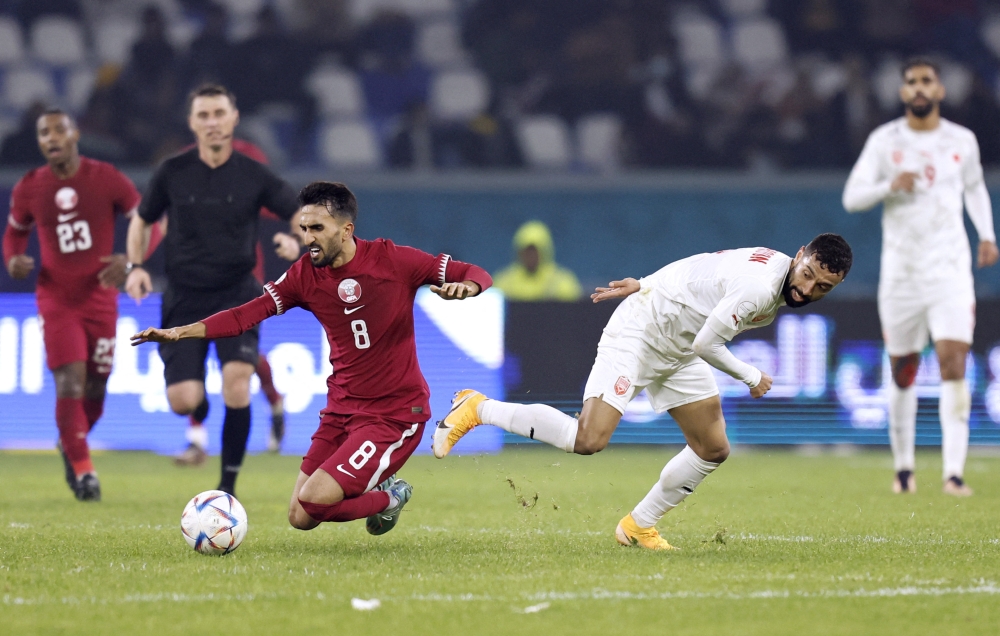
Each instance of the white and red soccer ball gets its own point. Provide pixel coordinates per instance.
(214, 522)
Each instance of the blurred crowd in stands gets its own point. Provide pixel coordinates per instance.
(587, 85)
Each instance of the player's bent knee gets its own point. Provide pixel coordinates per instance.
(321, 489)
(712, 451)
(299, 519)
(904, 370)
(589, 444)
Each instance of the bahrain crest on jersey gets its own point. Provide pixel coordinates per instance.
(622, 385)
(744, 311)
(349, 290)
(66, 198)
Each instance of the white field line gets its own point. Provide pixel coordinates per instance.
(746, 536)
(987, 588)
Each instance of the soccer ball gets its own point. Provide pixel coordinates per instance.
(214, 522)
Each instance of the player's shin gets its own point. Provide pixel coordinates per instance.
(94, 409)
(902, 425)
(72, 422)
(954, 410)
(679, 478)
(235, 433)
(368, 504)
(534, 421)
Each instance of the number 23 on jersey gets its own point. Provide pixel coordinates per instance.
(74, 236)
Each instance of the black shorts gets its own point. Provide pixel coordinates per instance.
(185, 359)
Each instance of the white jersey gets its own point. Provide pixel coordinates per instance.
(923, 234)
(732, 291)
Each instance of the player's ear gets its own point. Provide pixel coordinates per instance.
(348, 230)
(236, 118)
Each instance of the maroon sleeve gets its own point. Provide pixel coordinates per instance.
(156, 237)
(233, 322)
(425, 269)
(19, 223)
(286, 292)
(458, 272)
(15, 243)
(123, 192)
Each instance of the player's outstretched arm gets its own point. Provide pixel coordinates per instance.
(152, 334)
(616, 289)
(457, 291)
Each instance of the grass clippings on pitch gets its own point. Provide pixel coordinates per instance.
(773, 543)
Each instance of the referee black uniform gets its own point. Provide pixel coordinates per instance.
(210, 249)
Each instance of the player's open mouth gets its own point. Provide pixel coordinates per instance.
(314, 251)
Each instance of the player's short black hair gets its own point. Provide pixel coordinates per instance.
(914, 62)
(209, 90)
(55, 110)
(338, 200)
(832, 252)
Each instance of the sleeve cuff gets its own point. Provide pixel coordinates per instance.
(720, 328)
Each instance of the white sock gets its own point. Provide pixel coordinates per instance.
(197, 435)
(679, 478)
(902, 425)
(953, 409)
(534, 421)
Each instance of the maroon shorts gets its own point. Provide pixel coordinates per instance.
(74, 335)
(360, 451)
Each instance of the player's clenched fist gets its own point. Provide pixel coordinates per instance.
(762, 387)
(904, 182)
(152, 334)
(20, 266)
(456, 291)
(138, 284)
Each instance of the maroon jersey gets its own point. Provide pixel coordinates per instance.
(366, 309)
(76, 228)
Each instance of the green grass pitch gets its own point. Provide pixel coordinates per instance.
(773, 543)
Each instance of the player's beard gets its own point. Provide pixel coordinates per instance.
(786, 292)
(921, 111)
(327, 253)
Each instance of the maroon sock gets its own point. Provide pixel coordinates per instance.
(94, 409)
(72, 422)
(349, 509)
(266, 381)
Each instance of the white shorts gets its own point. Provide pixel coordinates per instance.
(909, 313)
(626, 365)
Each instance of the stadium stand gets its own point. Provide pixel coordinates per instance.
(695, 83)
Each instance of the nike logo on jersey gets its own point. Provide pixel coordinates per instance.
(66, 217)
(340, 467)
(351, 311)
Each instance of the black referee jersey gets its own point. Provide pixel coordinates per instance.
(214, 214)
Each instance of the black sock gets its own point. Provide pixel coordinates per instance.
(200, 413)
(235, 432)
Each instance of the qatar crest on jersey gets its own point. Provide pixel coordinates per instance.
(349, 290)
(66, 198)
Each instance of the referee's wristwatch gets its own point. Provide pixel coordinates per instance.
(131, 266)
